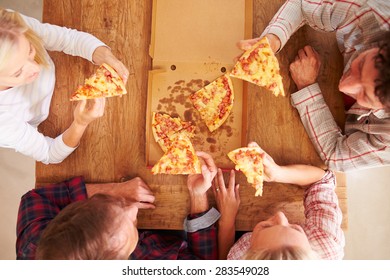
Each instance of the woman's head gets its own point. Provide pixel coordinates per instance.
(21, 51)
(277, 238)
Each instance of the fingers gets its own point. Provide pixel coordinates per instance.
(208, 160)
(302, 54)
(148, 198)
(138, 181)
(81, 105)
(122, 70)
(143, 205)
(98, 106)
(309, 51)
(232, 179)
(221, 182)
(207, 176)
(237, 192)
(253, 145)
(247, 44)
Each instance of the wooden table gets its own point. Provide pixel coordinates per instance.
(114, 146)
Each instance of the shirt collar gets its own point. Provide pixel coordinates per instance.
(362, 112)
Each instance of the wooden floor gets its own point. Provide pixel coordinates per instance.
(114, 146)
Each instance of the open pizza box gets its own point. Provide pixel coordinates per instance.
(193, 43)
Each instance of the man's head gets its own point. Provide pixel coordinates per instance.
(368, 79)
(276, 238)
(102, 227)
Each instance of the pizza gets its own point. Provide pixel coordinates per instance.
(214, 102)
(165, 127)
(260, 66)
(250, 162)
(180, 158)
(105, 82)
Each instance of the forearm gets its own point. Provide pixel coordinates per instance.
(25, 139)
(318, 121)
(67, 40)
(198, 203)
(226, 237)
(73, 134)
(298, 174)
(295, 13)
(286, 21)
(105, 188)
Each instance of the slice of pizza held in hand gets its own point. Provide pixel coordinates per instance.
(250, 162)
(180, 158)
(105, 82)
(214, 102)
(164, 127)
(260, 66)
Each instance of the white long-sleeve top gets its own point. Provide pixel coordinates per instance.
(24, 107)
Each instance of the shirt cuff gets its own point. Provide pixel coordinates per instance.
(306, 96)
(278, 32)
(205, 221)
(60, 150)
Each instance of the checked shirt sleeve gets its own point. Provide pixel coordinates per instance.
(203, 241)
(339, 152)
(38, 207)
(320, 15)
(323, 218)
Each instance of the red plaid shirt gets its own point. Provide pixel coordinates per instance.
(199, 245)
(359, 25)
(322, 225)
(39, 206)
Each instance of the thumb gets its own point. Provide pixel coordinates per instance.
(145, 205)
(81, 105)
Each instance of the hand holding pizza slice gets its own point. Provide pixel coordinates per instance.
(180, 158)
(259, 66)
(249, 160)
(105, 82)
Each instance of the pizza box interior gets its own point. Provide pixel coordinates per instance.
(194, 42)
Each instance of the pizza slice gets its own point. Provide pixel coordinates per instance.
(180, 158)
(250, 162)
(214, 102)
(105, 82)
(260, 66)
(164, 127)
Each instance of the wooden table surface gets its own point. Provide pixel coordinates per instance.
(113, 147)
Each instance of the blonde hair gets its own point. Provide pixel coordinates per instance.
(12, 26)
(282, 253)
